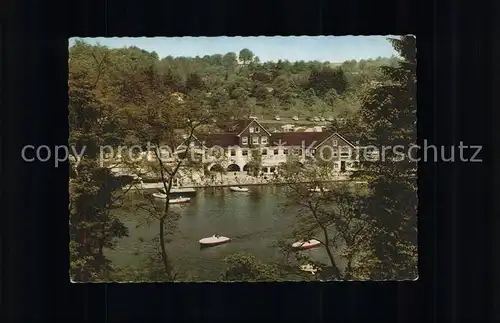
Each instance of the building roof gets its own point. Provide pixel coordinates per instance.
(299, 138)
(285, 138)
(238, 126)
(234, 126)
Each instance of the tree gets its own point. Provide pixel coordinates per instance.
(333, 216)
(388, 113)
(230, 60)
(349, 127)
(194, 82)
(323, 80)
(246, 56)
(94, 190)
(245, 267)
(261, 76)
(93, 227)
(255, 163)
(129, 96)
(153, 117)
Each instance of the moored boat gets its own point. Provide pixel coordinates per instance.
(214, 240)
(318, 190)
(306, 244)
(176, 200)
(238, 189)
(179, 200)
(160, 195)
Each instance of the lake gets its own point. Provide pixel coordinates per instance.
(254, 220)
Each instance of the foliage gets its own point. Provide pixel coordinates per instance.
(93, 227)
(94, 190)
(283, 87)
(327, 79)
(245, 267)
(333, 216)
(246, 55)
(255, 162)
(388, 113)
(130, 96)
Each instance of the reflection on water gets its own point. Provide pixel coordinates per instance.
(254, 220)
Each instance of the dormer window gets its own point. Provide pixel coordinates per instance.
(251, 130)
(244, 140)
(257, 129)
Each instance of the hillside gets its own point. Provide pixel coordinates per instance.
(239, 83)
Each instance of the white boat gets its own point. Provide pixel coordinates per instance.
(159, 195)
(214, 240)
(177, 200)
(238, 189)
(173, 189)
(318, 190)
(310, 268)
(306, 244)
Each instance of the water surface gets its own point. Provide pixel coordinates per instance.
(254, 220)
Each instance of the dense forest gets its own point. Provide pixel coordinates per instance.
(130, 96)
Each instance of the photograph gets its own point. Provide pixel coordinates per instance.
(242, 159)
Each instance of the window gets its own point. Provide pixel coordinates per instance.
(244, 140)
(334, 143)
(285, 151)
(244, 152)
(257, 129)
(264, 152)
(251, 129)
(276, 151)
(233, 152)
(345, 152)
(255, 140)
(263, 140)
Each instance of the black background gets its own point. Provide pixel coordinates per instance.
(456, 226)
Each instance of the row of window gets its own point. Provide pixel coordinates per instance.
(244, 152)
(256, 129)
(255, 140)
(263, 140)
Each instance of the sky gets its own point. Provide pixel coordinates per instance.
(307, 48)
